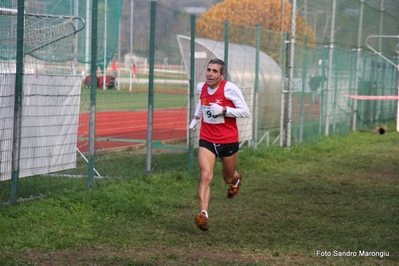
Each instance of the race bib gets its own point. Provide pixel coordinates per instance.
(209, 118)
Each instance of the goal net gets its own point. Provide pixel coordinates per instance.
(51, 93)
(49, 42)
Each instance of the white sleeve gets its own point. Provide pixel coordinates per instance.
(198, 110)
(234, 94)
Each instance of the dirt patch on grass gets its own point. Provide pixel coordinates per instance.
(377, 175)
(187, 256)
(149, 256)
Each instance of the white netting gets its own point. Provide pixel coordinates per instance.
(38, 29)
(50, 32)
(48, 39)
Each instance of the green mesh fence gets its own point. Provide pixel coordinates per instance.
(339, 54)
(142, 93)
(51, 40)
(122, 112)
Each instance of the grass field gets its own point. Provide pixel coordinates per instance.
(114, 100)
(334, 203)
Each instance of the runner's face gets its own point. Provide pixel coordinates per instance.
(213, 75)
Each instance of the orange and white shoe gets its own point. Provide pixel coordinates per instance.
(201, 220)
(234, 189)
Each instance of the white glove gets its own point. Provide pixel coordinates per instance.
(216, 109)
(193, 125)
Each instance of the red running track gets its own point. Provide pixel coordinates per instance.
(168, 124)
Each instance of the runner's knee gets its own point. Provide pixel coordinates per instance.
(206, 177)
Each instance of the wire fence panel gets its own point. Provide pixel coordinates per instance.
(122, 122)
(145, 73)
(337, 55)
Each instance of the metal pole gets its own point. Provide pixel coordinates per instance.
(291, 73)
(322, 116)
(119, 55)
(330, 70)
(19, 79)
(397, 103)
(256, 93)
(304, 73)
(226, 47)
(305, 10)
(88, 27)
(358, 70)
(192, 102)
(283, 88)
(93, 72)
(151, 87)
(282, 15)
(131, 45)
(75, 40)
(379, 69)
(105, 44)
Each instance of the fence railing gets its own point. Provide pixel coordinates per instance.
(132, 119)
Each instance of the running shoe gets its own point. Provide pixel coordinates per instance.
(202, 221)
(233, 189)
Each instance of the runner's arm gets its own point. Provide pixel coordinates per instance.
(234, 94)
(198, 110)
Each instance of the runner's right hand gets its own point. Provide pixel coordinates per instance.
(193, 124)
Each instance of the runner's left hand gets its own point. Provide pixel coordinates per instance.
(216, 109)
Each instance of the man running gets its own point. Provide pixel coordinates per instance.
(220, 103)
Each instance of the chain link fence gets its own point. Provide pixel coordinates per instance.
(130, 119)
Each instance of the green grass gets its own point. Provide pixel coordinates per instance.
(114, 100)
(339, 195)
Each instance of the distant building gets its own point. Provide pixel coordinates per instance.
(197, 10)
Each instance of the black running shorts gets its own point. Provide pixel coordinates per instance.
(220, 150)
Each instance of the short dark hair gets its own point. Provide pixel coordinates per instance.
(219, 62)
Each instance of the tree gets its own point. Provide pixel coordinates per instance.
(244, 15)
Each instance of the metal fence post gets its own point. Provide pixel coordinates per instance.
(93, 87)
(256, 92)
(19, 78)
(358, 68)
(131, 44)
(379, 68)
(192, 102)
(283, 87)
(304, 74)
(291, 74)
(151, 88)
(226, 47)
(330, 71)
